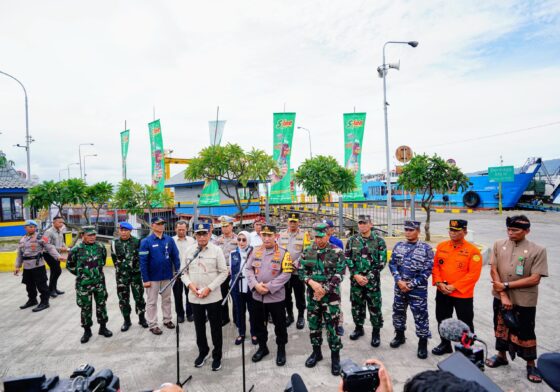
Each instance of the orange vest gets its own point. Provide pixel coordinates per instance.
(459, 266)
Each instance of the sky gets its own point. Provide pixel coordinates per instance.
(482, 84)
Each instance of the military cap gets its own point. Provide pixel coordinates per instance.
(328, 222)
(157, 219)
(202, 227)
(125, 225)
(457, 224)
(31, 222)
(364, 218)
(268, 229)
(226, 220)
(413, 225)
(89, 230)
(320, 229)
(293, 216)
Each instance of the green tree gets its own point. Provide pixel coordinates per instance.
(232, 168)
(322, 174)
(45, 194)
(137, 198)
(430, 175)
(74, 192)
(97, 196)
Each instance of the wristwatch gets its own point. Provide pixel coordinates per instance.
(506, 285)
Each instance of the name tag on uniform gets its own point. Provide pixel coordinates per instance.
(155, 245)
(519, 270)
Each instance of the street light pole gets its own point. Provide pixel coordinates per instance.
(71, 164)
(388, 177)
(60, 174)
(27, 138)
(85, 156)
(80, 156)
(309, 134)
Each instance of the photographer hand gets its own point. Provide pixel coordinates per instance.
(385, 383)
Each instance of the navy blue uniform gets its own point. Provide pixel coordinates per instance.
(412, 263)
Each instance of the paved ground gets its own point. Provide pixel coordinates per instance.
(48, 342)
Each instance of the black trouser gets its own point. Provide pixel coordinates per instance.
(224, 288)
(54, 266)
(178, 289)
(298, 287)
(278, 313)
(463, 308)
(35, 279)
(215, 319)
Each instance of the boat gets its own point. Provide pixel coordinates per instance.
(481, 192)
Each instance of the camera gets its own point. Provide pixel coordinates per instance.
(81, 380)
(359, 378)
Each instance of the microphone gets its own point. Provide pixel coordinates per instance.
(455, 330)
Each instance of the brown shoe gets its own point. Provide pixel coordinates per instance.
(169, 324)
(156, 331)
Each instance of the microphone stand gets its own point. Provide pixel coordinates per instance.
(171, 282)
(239, 279)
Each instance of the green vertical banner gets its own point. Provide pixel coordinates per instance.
(125, 135)
(156, 144)
(353, 137)
(283, 124)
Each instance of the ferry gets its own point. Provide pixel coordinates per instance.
(481, 193)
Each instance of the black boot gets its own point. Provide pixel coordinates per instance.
(398, 340)
(315, 357)
(86, 335)
(104, 331)
(281, 355)
(127, 324)
(335, 363)
(289, 319)
(423, 348)
(142, 320)
(300, 321)
(375, 339)
(41, 306)
(261, 353)
(443, 348)
(358, 332)
(29, 303)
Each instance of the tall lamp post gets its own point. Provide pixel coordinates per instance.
(85, 156)
(309, 134)
(71, 164)
(382, 70)
(80, 157)
(27, 137)
(60, 174)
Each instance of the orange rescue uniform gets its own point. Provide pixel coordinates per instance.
(458, 265)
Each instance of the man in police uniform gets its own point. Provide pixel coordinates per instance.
(55, 234)
(30, 255)
(124, 252)
(227, 242)
(366, 256)
(293, 240)
(411, 265)
(517, 267)
(321, 268)
(86, 261)
(457, 266)
(268, 269)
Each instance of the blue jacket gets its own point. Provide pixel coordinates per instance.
(159, 258)
(336, 242)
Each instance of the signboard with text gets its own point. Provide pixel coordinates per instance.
(501, 174)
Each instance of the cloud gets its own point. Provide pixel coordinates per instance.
(88, 68)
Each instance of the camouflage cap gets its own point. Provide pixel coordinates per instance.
(320, 229)
(412, 225)
(89, 230)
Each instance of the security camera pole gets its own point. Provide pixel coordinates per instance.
(384, 68)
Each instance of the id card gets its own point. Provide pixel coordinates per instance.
(519, 270)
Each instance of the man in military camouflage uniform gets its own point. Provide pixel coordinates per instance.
(321, 268)
(30, 255)
(227, 242)
(366, 255)
(268, 268)
(411, 265)
(124, 252)
(293, 240)
(86, 261)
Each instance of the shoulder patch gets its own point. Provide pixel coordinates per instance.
(476, 258)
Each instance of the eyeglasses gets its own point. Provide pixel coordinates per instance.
(242, 240)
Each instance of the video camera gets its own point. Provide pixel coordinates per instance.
(359, 378)
(81, 380)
